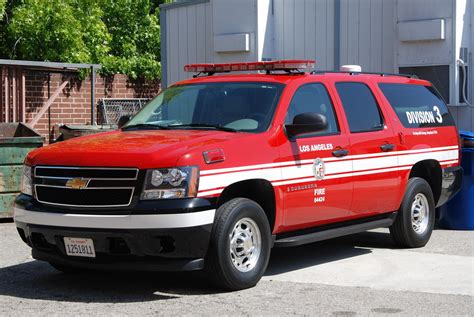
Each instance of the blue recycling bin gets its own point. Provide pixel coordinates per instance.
(458, 213)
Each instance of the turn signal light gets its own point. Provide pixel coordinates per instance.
(214, 156)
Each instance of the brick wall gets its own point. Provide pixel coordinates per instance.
(73, 105)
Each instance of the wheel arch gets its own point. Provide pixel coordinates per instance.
(431, 171)
(259, 190)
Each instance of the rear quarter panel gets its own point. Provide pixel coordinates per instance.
(434, 140)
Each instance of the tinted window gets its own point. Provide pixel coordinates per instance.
(417, 106)
(361, 109)
(313, 98)
(242, 106)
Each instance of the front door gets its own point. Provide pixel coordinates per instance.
(316, 176)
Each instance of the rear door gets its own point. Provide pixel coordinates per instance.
(373, 151)
(317, 185)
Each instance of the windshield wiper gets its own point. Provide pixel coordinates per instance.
(145, 126)
(203, 125)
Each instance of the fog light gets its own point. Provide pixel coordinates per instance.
(163, 194)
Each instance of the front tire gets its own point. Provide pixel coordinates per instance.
(415, 220)
(240, 245)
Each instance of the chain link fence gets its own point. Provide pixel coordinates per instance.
(111, 109)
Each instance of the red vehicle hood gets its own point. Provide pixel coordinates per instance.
(141, 149)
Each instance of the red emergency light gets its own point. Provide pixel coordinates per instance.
(285, 65)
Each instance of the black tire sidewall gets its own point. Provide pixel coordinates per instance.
(415, 186)
(244, 208)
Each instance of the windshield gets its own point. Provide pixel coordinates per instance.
(229, 106)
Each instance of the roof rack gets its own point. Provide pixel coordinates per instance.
(319, 72)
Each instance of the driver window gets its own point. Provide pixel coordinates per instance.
(313, 98)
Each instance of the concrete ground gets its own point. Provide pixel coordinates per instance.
(361, 274)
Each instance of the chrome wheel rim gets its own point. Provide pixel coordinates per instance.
(420, 213)
(245, 244)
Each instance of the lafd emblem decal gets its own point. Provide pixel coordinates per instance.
(319, 169)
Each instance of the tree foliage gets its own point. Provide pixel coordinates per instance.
(135, 44)
(122, 35)
(2, 7)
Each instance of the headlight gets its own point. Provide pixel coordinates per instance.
(26, 181)
(177, 182)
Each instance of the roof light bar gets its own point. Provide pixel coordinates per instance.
(285, 65)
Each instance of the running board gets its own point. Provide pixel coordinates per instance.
(333, 232)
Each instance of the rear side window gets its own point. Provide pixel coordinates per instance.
(417, 106)
(361, 109)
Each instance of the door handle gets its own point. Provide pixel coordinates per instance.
(340, 153)
(387, 147)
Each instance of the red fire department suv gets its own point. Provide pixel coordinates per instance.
(217, 170)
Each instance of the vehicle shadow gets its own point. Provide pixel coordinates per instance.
(285, 260)
(37, 280)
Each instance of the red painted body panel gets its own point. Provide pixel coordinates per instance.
(141, 149)
(263, 154)
(321, 201)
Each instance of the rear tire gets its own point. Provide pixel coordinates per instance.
(240, 245)
(416, 217)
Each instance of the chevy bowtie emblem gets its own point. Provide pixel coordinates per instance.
(77, 183)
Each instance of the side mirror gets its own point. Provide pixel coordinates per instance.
(308, 122)
(123, 121)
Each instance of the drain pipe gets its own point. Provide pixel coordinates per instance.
(461, 63)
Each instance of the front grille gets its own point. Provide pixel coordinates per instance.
(89, 172)
(85, 186)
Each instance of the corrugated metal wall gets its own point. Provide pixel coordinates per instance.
(368, 34)
(189, 38)
(301, 29)
(294, 29)
(304, 29)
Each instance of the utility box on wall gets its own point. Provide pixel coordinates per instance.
(433, 43)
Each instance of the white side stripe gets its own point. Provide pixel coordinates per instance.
(156, 221)
(292, 172)
(439, 156)
(311, 179)
(210, 192)
(444, 148)
(218, 181)
(449, 162)
(240, 168)
(329, 159)
(374, 163)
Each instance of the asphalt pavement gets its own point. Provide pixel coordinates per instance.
(363, 274)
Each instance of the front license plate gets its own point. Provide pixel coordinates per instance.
(79, 247)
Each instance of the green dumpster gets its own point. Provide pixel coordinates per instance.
(73, 131)
(16, 140)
